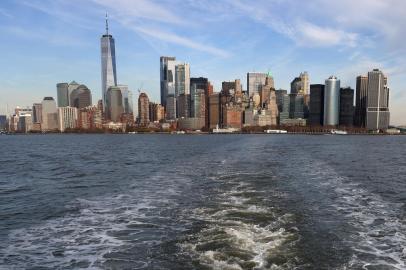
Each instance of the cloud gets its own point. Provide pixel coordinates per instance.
(179, 40)
(4, 13)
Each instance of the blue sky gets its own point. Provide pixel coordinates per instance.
(49, 41)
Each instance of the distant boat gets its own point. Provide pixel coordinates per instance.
(339, 132)
(276, 131)
(218, 130)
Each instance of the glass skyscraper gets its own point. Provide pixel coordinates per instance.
(108, 64)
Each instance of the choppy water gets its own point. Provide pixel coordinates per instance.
(202, 202)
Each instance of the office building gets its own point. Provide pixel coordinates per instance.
(67, 118)
(49, 115)
(214, 110)
(3, 122)
(167, 77)
(114, 104)
(377, 115)
(199, 104)
(127, 99)
(24, 123)
(346, 107)
(361, 101)
(316, 115)
(297, 105)
(143, 109)
(300, 85)
(285, 112)
(183, 104)
(170, 109)
(37, 113)
(182, 79)
(108, 64)
(80, 97)
(331, 101)
(280, 93)
(255, 80)
(62, 94)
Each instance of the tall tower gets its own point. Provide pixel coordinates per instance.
(108, 63)
(377, 113)
(332, 102)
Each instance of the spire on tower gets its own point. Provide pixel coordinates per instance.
(107, 24)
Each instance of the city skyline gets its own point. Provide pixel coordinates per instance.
(27, 83)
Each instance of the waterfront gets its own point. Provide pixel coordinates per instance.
(202, 202)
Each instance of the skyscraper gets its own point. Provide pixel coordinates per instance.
(62, 94)
(143, 109)
(49, 114)
(114, 104)
(300, 85)
(80, 97)
(108, 63)
(377, 101)
(37, 113)
(346, 107)
(331, 101)
(316, 116)
(255, 80)
(167, 76)
(127, 99)
(361, 101)
(182, 81)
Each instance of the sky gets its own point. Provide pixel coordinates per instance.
(44, 42)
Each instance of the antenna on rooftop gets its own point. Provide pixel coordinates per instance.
(107, 24)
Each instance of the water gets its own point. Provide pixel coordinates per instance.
(202, 202)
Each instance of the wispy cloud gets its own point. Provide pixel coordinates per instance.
(179, 40)
(4, 13)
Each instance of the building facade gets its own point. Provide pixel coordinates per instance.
(331, 101)
(49, 115)
(346, 107)
(114, 104)
(255, 80)
(143, 109)
(361, 101)
(108, 64)
(377, 115)
(316, 114)
(67, 118)
(167, 77)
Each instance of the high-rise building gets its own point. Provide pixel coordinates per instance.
(62, 94)
(167, 75)
(297, 106)
(67, 118)
(214, 107)
(183, 102)
(346, 107)
(114, 104)
(300, 85)
(108, 64)
(24, 123)
(37, 113)
(80, 97)
(361, 101)
(316, 116)
(171, 107)
(280, 93)
(49, 115)
(143, 109)
(378, 114)
(199, 104)
(285, 112)
(3, 122)
(332, 102)
(182, 79)
(127, 99)
(255, 80)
